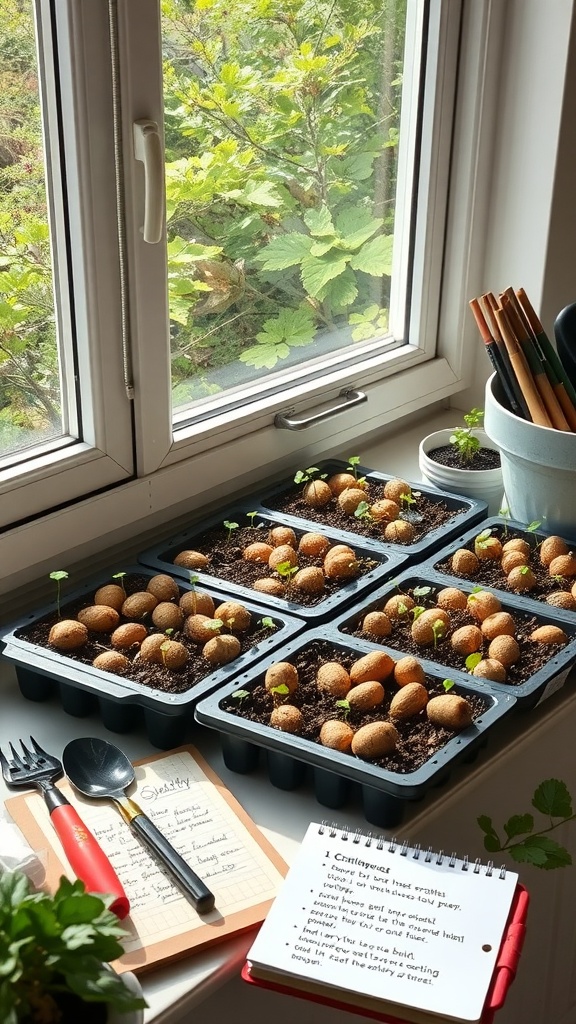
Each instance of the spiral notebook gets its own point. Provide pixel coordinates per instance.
(394, 932)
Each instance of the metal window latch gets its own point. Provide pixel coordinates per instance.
(352, 397)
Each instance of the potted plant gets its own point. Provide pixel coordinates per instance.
(463, 460)
(55, 954)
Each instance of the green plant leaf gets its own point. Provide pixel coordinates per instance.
(356, 226)
(260, 193)
(285, 251)
(340, 292)
(375, 256)
(518, 824)
(264, 356)
(486, 825)
(492, 843)
(319, 222)
(552, 798)
(541, 852)
(294, 326)
(318, 271)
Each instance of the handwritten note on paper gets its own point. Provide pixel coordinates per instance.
(367, 920)
(207, 827)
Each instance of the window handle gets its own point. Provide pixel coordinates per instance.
(351, 395)
(148, 149)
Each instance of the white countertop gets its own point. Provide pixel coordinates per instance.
(173, 990)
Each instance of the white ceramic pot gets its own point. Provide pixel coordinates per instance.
(538, 467)
(132, 1016)
(481, 484)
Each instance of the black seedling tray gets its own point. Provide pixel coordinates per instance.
(531, 691)
(334, 774)
(123, 703)
(504, 529)
(464, 512)
(384, 563)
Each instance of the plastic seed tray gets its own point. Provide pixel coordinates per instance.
(463, 512)
(124, 704)
(379, 564)
(490, 573)
(532, 690)
(291, 758)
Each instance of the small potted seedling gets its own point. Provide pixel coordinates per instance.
(463, 460)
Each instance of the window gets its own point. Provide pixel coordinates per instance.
(306, 149)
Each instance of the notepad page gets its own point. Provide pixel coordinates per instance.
(410, 931)
(186, 806)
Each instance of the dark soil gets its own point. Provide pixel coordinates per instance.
(148, 674)
(419, 739)
(448, 455)
(533, 656)
(426, 514)
(227, 562)
(490, 573)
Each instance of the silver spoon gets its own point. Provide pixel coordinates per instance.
(99, 770)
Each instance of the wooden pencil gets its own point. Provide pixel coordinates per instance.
(546, 345)
(523, 337)
(521, 369)
(488, 304)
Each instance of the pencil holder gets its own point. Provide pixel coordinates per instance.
(538, 466)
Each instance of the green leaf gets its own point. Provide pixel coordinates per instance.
(264, 356)
(356, 226)
(319, 222)
(340, 292)
(552, 798)
(261, 193)
(317, 272)
(375, 256)
(285, 251)
(294, 326)
(541, 852)
(492, 843)
(486, 825)
(518, 824)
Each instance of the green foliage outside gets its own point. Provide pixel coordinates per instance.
(528, 844)
(281, 126)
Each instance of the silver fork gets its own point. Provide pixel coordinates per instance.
(36, 767)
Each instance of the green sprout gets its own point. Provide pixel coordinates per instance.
(448, 684)
(362, 511)
(58, 576)
(193, 579)
(230, 526)
(421, 591)
(240, 695)
(408, 499)
(472, 660)
(163, 649)
(345, 705)
(353, 463)
(306, 476)
(463, 438)
(438, 630)
(286, 571)
(215, 625)
(504, 512)
(417, 611)
(532, 527)
(553, 800)
(267, 623)
(251, 516)
(279, 693)
(120, 577)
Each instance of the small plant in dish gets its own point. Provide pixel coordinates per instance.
(230, 527)
(464, 439)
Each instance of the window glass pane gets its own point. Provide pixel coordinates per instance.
(282, 122)
(30, 393)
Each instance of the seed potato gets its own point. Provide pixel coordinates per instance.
(269, 586)
(282, 554)
(366, 695)
(167, 616)
(100, 618)
(129, 634)
(339, 482)
(449, 711)
(465, 562)
(517, 544)
(563, 565)
(234, 616)
(317, 494)
(112, 595)
(309, 580)
(482, 604)
(396, 488)
(282, 673)
(150, 648)
(313, 545)
(286, 718)
(549, 635)
(409, 670)
(408, 702)
(551, 548)
(282, 535)
(200, 628)
(68, 635)
(498, 624)
(376, 665)
(521, 579)
(163, 587)
(398, 606)
(375, 740)
(384, 511)
(466, 640)
(139, 605)
(451, 599)
(399, 531)
(512, 560)
(257, 552)
(349, 499)
(111, 661)
(377, 623)
(562, 599)
(173, 654)
(504, 649)
(336, 735)
(192, 560)
(490, 668)
(340, 566)
(196, 602)
(431, 625)
(333, 678)
(221, 649)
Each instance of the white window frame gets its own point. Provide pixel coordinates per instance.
(188, 474)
